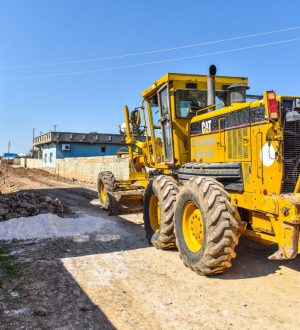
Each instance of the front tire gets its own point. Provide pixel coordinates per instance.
(159, 205)
(151, 213)
(205, 227)
(106, 183)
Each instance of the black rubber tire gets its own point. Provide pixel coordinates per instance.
(110, 184)
(147, 225)
(165, 188)
(221, 229)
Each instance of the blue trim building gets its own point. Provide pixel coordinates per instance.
(7, 155)
(59, 145)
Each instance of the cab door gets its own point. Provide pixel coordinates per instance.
(166, 124)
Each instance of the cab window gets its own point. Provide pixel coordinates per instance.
(157, 129)
(187, 102)
(155, 115)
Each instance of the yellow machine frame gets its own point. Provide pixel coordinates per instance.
(272, 217)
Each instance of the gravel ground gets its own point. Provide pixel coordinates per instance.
(52, 226)
(104, 275)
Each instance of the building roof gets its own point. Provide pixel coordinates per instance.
(85, 138)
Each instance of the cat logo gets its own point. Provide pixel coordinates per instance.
(296, 103)
(206, 126)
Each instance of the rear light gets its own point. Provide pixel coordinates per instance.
(272, 105)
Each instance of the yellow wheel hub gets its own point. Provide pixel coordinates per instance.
(154, 212)
(103, 194)
(192, 227)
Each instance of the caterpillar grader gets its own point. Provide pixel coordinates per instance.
(209, 162)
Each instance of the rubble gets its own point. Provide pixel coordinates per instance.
(25, 204)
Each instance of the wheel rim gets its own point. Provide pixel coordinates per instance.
(192, 227)
(103, 194)
(154, 212)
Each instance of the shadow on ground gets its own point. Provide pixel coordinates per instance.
(252, 261)
(43, 294)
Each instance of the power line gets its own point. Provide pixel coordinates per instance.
(155, 62)
(151, 51)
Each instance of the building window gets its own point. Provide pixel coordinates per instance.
(45, 158)
(103, 149)
(51, 157)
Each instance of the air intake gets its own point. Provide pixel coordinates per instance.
(291, 151)
(237, 92)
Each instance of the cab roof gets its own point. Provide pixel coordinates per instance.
(220, 82)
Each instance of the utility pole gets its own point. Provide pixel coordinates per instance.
(8, 149)
(54, 126)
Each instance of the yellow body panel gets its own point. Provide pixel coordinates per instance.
(273, 217)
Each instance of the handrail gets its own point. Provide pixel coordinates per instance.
(128, 133)
(260, 155)
(209, 107)
(220, 131)
(146, 128)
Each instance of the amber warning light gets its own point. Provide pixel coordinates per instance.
(272, 105)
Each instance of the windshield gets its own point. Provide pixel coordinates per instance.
(187, 102)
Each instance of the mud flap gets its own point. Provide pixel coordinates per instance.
(290, 248)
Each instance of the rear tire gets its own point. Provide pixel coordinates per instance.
(162, 190)
(205, 227)
(150, 225)
(106, 183)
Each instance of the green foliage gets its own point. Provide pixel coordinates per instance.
(10, 269)
(7, 266)
(40, 313)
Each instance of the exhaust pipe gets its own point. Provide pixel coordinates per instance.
(211, 90)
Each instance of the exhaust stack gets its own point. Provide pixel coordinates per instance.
(211, 90)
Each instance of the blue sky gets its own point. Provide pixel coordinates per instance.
(34, 32)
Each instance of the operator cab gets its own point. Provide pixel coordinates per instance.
(171, 103)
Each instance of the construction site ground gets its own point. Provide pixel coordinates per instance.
(106, 276)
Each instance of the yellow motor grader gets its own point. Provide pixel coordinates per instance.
(211, 163)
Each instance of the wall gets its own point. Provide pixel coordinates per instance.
(88, 168)
(17, 161)
(85, 168)
(24, 162)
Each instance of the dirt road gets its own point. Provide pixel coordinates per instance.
(111, 278)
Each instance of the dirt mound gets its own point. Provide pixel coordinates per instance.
(9, 178)
(24, 204)
(35, 173)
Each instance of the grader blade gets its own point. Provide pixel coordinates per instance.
(125, 201)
